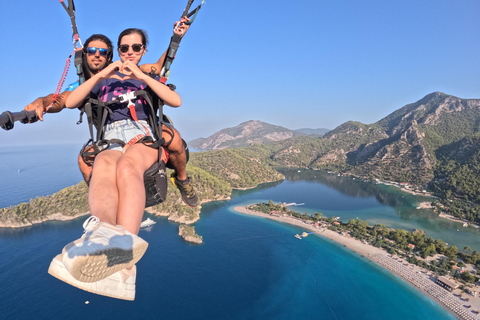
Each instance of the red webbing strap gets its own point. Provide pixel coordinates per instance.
(138, 137)
(165, 155)
(133, 112)
(135, 139)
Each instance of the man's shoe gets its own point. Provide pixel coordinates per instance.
(101, 251)
(120, 285)
(187, 192)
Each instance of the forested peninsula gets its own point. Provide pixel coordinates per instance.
(215, 174)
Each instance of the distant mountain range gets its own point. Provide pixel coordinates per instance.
(407, 145)
(248, 133)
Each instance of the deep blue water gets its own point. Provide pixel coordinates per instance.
(36, 171)
(248, 267)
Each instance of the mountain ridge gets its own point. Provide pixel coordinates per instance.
(404, 146)
(248, 133)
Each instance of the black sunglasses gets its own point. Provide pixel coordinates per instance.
(135, 47)
(101, 51)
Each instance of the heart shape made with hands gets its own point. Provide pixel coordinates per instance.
(125, 69)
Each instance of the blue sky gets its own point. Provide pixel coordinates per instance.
(297, 64)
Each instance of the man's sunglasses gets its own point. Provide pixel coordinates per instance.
(135, 47)
(103, 52)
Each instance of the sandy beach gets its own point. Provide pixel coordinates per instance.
(425, 205)
(462, 307)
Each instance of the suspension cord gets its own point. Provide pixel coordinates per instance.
(71, 12)
(175, 41)
(76, 40)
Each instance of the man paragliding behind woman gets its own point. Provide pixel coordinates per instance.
(110, 247)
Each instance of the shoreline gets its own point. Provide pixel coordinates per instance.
(52, 217)
(419, 278)
(452, 218)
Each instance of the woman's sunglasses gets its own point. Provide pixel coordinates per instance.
(101, 51)
(135, 47)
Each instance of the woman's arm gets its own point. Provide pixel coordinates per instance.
(169, 97)
(75, 99)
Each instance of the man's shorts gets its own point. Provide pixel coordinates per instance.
(125, 130)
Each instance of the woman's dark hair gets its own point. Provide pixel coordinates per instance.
(128, 31)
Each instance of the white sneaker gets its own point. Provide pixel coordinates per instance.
(101, 251)
(120, 285)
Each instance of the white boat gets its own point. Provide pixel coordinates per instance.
(147, 223)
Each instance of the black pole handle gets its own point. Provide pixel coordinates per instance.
(7, 118)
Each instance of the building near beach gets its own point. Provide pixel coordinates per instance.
(446, 283)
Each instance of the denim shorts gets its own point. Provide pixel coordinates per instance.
(125, 130)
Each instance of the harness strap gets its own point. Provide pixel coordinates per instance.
(129, 97)
(194, 13)
(78, 61)
(99, 117)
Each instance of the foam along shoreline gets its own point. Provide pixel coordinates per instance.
(419, 278)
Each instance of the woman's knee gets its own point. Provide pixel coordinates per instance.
(126, 168)
(105, 163)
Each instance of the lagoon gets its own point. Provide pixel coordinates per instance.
(350, 198)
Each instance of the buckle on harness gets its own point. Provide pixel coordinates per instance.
(127, 97)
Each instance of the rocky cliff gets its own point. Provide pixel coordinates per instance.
(402, 146)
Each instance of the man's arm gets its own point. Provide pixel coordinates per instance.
(40, 105)
(157, 66)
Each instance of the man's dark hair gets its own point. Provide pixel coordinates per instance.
(102, 38)
(105, 40)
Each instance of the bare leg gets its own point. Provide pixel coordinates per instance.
(131, 190)
(86, 169)
(178, 157)
(103, 193)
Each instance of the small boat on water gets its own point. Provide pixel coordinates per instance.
(298, 236)
(465, 224)
(147, 223)
(304, 234)
(293, 204)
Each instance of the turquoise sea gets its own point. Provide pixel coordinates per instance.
(248, 267)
